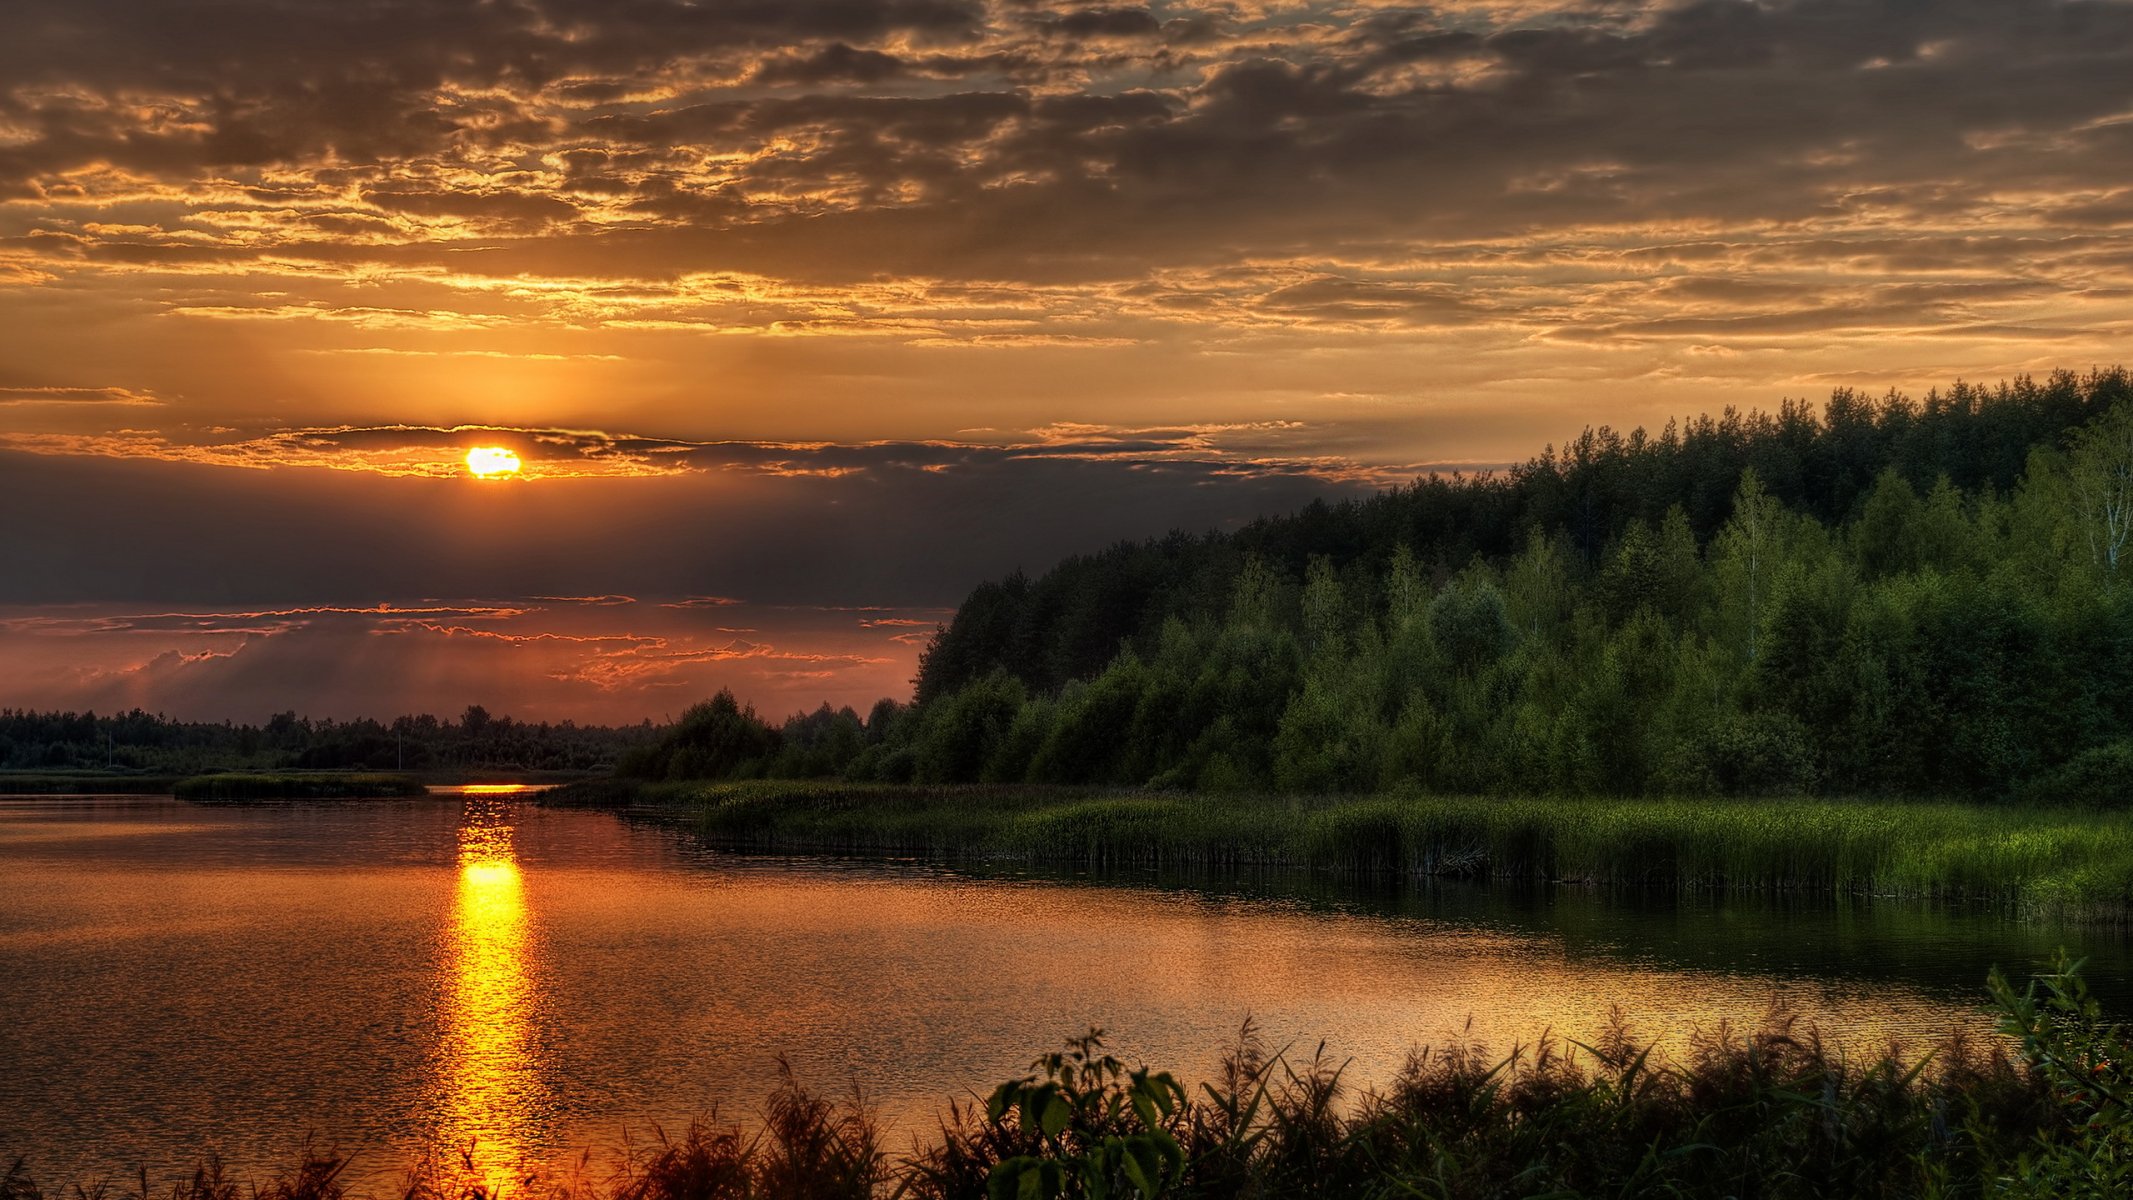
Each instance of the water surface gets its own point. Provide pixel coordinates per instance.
(395, 975)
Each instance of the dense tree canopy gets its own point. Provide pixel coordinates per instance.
(1886, 596)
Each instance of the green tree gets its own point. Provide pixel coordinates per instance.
(1747, 550)
(1325, 610)
(2102, 474)
(1256, 598)
(961, 732)
(1406, 592)
(1470, 625)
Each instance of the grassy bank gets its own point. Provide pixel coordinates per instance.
(2062, 862)
(1769, 1116)
(226, 789)
(83, 783)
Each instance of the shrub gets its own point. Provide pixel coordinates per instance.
(1744, 754)
(2101, 777)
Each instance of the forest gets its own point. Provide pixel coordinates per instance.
(1877, 596)
(138, 741)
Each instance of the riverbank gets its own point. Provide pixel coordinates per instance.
(2062, 863)
(84, 783)
(236, 789)
(1771, 1114)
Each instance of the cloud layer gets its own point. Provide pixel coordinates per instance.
(553, 196)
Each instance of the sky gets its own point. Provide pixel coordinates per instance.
(804, 316)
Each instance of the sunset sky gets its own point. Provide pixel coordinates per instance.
(803, 316)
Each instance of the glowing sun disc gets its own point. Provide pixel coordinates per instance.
(488, 462)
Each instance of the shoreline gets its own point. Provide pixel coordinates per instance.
(2059, 864)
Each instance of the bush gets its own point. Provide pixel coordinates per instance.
(1470, 624)
(2102, 777)
(1744, 754)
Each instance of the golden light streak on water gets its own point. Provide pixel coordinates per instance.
(491, 1095)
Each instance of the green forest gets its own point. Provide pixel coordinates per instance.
(1876, 596)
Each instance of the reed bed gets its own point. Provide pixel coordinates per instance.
(1771, 1114)
(2062, 863)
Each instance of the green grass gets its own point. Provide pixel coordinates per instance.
(239, 788)
(1771, 1114)
(2065, 863)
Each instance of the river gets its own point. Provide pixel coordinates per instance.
(390, 976)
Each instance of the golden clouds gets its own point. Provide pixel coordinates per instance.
(1208, 450)
(76, 395)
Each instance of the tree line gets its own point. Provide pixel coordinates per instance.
(1882, 596)
(150, 743)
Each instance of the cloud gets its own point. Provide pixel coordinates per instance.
(509, 139)
(76, 395)
(1087, 23)
(265, 621)
(601, 601)
(1208, 450)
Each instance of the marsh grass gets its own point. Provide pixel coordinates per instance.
(2060, 863)
(239, 788)
(1767, 1114)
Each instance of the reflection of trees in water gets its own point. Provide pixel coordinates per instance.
(1944, 949)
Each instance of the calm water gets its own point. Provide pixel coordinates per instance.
(393, 975)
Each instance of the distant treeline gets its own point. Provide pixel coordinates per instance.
(137, 741)
(1885, 596)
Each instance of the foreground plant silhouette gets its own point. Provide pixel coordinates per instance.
(1770, 1114)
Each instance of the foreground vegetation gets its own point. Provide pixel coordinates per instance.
(1881, 597)
(233, 788)
(2058, 862)
(1771, 1115)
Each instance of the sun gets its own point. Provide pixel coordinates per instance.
(491, 462)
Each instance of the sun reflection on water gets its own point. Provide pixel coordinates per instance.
(490, 1089)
